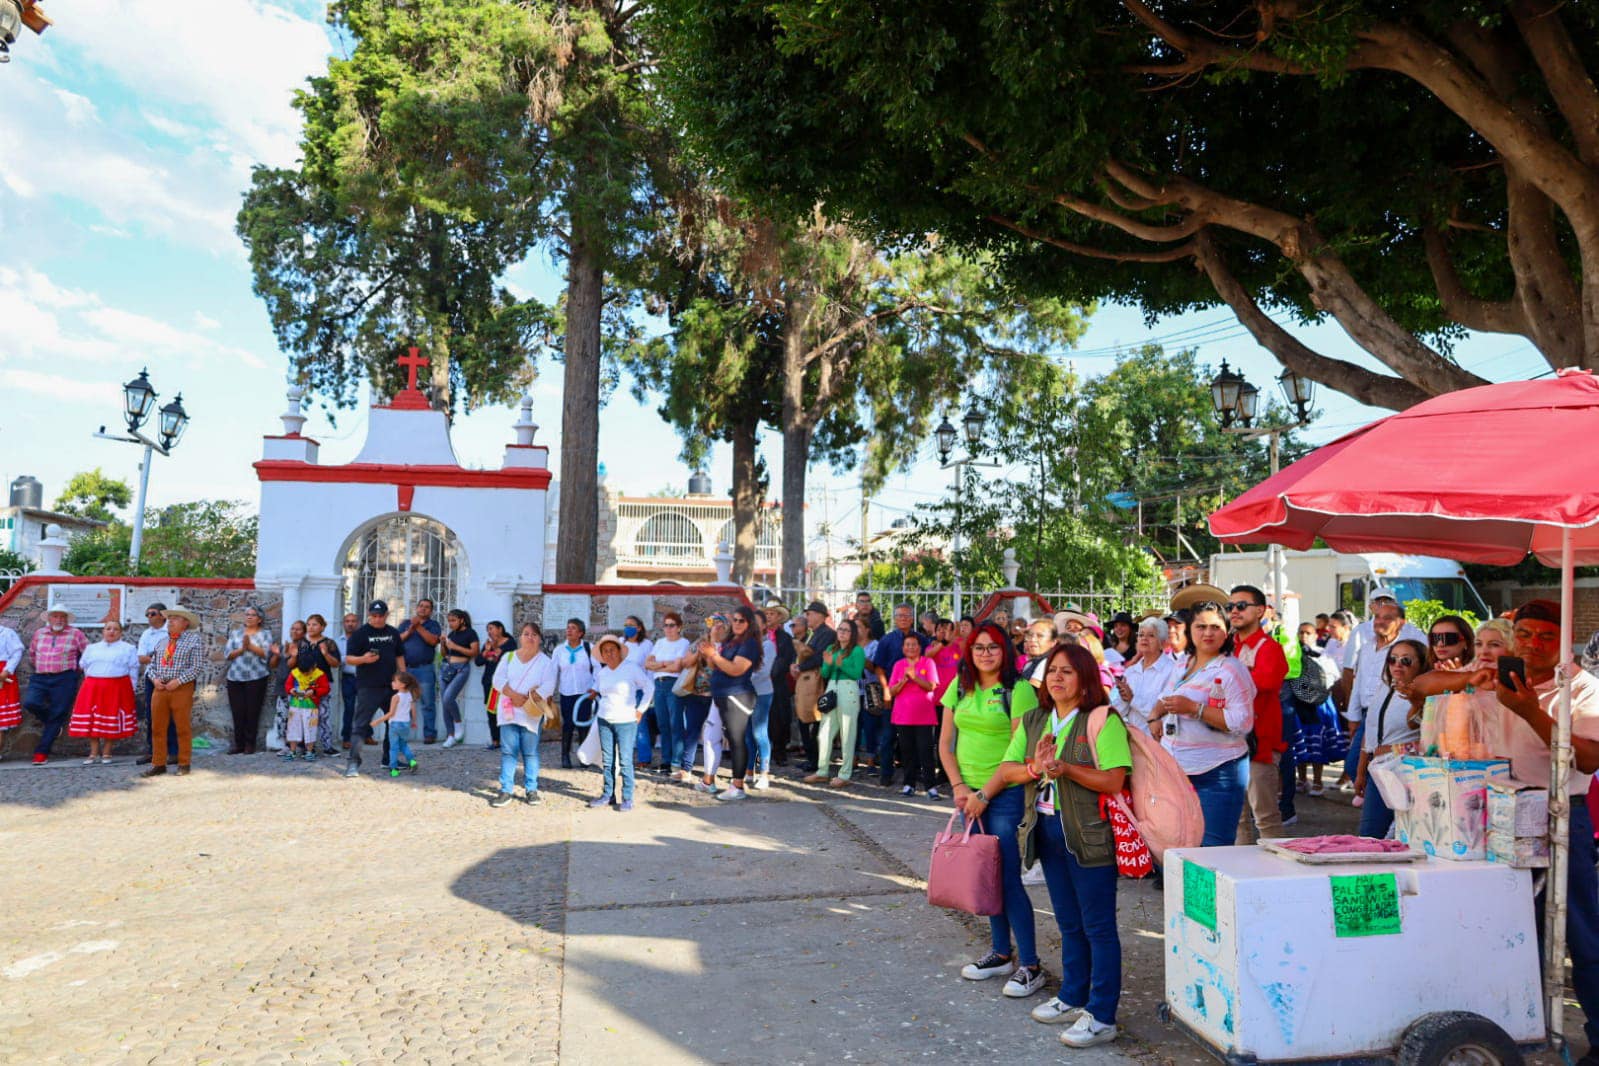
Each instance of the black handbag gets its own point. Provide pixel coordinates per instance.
(872, 698)
(827, 701)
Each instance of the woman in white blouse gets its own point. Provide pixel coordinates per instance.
(1147, 675)
(619, 685)
(1205, 719)
(525, 679)
(104, 709)
(665, 663)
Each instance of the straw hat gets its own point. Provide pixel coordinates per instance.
(611, 638)
(187, 615)
(777, 605)
(1189, 595)
(60, 610)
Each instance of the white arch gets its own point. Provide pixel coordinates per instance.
(437, 539)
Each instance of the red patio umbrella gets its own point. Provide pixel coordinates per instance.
(1484, 475)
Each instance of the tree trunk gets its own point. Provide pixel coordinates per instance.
(580, 417)
(796, 443)
(746, 498)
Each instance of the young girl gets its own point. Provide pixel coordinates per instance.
(307, 688)
(401, 719)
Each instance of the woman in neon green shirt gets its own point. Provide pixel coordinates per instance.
(1065, 774)
(981, 710)
(842, 665)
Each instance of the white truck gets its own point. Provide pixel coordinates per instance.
(1327, 581)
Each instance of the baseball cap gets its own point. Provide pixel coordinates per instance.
(377, 607)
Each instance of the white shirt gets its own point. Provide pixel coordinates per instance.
(575, 667)
(1529, 756)
(761, 676)
(151, 640)
(1114, 657)
(537, 673)
(1148, 683)
(1196, 746)
(11, 649)
(102, 659)
(1368, 658)
(620, 690)
(1395, 725)
(669, 651)
(1333, 652)
(639, 653)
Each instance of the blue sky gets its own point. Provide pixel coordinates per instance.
(125, 143)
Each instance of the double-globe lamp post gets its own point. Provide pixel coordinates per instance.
(974, 422)
(1237, 404)
(138, 402)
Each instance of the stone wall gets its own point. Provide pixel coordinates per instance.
(220, 606)
(604, 608)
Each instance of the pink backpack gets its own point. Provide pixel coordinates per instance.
(1166, 809)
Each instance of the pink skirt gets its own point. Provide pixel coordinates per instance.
(10, 705)
(104, 709)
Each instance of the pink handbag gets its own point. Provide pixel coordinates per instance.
(965, 873)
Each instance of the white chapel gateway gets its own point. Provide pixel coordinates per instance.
(402, 521)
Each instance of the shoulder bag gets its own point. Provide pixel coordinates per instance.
(965, 872)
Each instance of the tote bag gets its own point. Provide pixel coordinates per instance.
(965, 871)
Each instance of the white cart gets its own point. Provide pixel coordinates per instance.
(1428, 962)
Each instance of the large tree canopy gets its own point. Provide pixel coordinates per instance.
(1409, 171)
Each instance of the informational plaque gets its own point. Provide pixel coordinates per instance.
(91, 605)
(640, 607)
(140, 597)
(558, 607)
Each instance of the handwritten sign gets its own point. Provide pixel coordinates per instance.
(1199, 894)
(1365, 905)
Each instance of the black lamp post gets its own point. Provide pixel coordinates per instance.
(138, 404)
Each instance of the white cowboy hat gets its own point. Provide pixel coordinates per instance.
(60, 610)
(187, 615)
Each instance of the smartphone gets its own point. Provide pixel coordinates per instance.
(1510, 664)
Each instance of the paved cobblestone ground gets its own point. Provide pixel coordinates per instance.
(259, 911)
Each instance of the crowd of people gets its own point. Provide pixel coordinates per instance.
(988, 709)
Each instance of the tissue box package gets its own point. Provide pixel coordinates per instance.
(1448, 816)
(1517, 809)
(1527, 852)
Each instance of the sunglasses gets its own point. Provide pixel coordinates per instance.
(1401, 660)
(1242, 605)
(985, 648)
(151, 614)
(1447, 638)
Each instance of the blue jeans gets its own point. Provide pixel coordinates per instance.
(885, 748)
(347, 697)
(426, 677)
(49, 698)
(1352, 760)
(400, 753)
(616, 744)
(1375, 817)
(1084, 900)
(759, 734)
(1221, 797)
(695, 709)
(518, 743)
(1582, 917)
(870, 728)
(666, 719)
(1286, 766)
(453, 678)
(1002, 818)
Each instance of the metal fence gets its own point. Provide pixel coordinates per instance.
(9, 578)
(943, 601)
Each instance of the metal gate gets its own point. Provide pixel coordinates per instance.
(403, 559)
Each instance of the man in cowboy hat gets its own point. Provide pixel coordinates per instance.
(54, 650)
(779, 726)
(808, 676)
(154, 636)
(174, 672)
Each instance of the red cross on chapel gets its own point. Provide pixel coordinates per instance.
(411, 397)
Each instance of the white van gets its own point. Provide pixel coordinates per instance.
(1327, 580)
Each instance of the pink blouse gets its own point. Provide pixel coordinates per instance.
(914, 704)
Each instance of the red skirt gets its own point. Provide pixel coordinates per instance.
(10, 704)
(104, 709)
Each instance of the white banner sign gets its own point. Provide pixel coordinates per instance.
(91, 605)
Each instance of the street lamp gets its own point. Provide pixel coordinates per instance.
(975, 421)
(138, 402)
(1236, 400)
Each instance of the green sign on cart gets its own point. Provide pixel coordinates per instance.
(1199, 894)
(1365, 905)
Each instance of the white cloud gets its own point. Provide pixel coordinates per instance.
(62, 387)
(80, 110)
(205, 321)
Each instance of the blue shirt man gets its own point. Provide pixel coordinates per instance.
(419, 637)
(880, 730)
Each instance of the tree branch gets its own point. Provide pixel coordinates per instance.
(1378, 390)
(1165, 255)
(1459, 304)
(1563, 70)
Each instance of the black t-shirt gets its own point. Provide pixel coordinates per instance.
(464, 637)
(384, 640)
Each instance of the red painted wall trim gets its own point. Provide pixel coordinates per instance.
(644, 590)
(30, 580)
(400, 474)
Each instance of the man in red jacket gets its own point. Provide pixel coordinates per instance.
(1268, 667)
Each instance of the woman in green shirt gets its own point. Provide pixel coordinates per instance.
(842, 665)
(1065, 775)
(981, 710)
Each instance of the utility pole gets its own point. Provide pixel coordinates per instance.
(866, 532)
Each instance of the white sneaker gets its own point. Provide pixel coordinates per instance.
(450, 741)
(907, 791)
(991, 965)
(1086, 1032)
(1024, 982)
(763, 782)
(1053, 1011)
(1035, 875)
(701, 786)
(732, 794)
